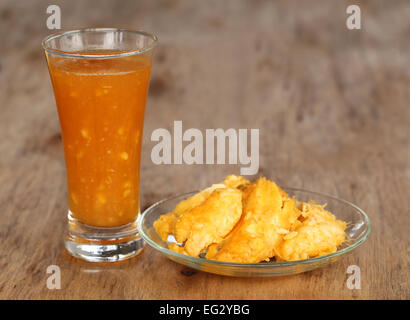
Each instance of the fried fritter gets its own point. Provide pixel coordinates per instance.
(209, 222)
(319, 234)
(165, 224)
(260, 230)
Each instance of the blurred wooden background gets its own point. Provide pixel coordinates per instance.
(332, 106)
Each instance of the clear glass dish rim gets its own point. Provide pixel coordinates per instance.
(195, 260)
(100, 56)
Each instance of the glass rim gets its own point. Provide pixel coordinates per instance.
(259, 265)
(53, 36)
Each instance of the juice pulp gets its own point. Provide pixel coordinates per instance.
(101, 105)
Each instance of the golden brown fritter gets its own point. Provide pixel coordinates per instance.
(260, 230)
(165, 224)
(210, 221)
(319, 234)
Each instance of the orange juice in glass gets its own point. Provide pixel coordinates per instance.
(100, 79)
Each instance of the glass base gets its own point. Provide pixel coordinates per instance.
(99, 244)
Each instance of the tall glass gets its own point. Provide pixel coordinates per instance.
(100, 79)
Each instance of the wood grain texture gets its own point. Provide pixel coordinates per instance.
(332, 106)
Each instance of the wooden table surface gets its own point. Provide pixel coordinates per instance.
(332, 106)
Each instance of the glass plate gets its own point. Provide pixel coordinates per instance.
(358, 230)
